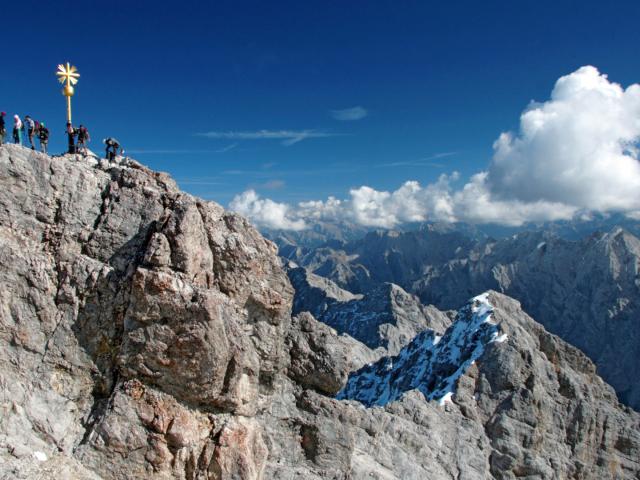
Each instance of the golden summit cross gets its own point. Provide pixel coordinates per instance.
(68, 74)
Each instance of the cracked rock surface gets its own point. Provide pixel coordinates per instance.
(145, 333)
(141, 328)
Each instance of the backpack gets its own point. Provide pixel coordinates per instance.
(83, 133)
(37, 125)
(44, 133)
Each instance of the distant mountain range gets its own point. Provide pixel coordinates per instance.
(586, 290)
(340, 233)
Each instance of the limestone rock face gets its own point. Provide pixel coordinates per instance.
(137, 323)
(525, 405)
(320, 359)
(145, 333)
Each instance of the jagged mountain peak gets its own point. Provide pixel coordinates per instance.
(385, 318)
(431, 363)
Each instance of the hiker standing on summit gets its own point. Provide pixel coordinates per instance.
(31, 129)
(112, 148)
(83, 139)
(43, 136)
(71, 133)
(17, 130)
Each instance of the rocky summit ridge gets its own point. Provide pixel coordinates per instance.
(145, 333)
(431, 363)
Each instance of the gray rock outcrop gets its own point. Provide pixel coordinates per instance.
(141, 328)
(145, 333)
(320, 359)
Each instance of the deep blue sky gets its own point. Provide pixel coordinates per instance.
(435, 77)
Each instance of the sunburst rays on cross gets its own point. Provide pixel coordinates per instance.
(68, 75)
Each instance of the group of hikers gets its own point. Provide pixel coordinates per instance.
(32, 127)
(78, 138)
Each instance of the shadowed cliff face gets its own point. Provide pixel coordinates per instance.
(145, 333)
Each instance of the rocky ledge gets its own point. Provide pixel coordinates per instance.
(145, 333)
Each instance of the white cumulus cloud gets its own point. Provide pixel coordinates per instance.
(265, 212)
(575, 153)
(578, 148)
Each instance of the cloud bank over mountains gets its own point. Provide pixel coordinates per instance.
(575, 153)
(266, 212)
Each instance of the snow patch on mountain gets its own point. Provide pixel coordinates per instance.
(430, 363)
